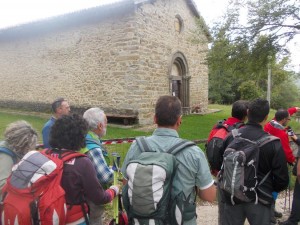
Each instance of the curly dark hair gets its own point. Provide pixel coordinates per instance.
(68, 132)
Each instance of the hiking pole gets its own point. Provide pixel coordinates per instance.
(116, 165)
(290, 180)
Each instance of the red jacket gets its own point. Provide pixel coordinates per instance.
(283, 136)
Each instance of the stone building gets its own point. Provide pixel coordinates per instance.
(120, 57)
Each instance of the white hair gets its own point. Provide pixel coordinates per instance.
(93, 117)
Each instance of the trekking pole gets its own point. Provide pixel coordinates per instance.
(116, 165)
(285, 199)
(290, 181)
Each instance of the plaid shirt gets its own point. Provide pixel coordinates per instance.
(104, 173)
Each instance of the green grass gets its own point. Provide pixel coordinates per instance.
(7, 118)
(194, 127)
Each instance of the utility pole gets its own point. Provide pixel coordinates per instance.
(269, 80)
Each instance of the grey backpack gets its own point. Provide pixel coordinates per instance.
(238, 175)
(147, 196)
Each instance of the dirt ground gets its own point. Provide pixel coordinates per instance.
(208, 213)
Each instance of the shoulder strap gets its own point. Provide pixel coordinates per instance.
(64, 156)
(266, 139)
(10, 153)
(143, 146)
(220, 123)
(180, 146)
(235, 133)
(238, 125)
(71, 155)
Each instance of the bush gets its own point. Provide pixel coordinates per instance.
(249, 90)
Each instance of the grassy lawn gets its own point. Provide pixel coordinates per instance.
(194, 127)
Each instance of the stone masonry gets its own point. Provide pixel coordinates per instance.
(117, 57)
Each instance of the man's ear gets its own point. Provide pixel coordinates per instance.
(100, 126)
(179, 120)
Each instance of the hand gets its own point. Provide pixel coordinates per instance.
(116, 189)
(297, 108)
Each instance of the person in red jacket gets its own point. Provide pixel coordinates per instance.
(237, 119)
(277, 127)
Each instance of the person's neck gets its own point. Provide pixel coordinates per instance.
(174, 127)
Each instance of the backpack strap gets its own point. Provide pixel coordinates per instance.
(71, 155)
(13, 155)
(143, 146)
(235, 133)
(237, 125)
(220, 124)
(180, 146)
(64, 155)
(266, 139)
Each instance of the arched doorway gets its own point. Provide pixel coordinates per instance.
(180, 80)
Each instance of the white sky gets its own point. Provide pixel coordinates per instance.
(14, 12)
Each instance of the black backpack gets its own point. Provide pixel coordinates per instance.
(238, 175)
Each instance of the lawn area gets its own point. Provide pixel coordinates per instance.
(194, 126)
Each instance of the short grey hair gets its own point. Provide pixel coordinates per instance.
(20, 137)
(93, 117)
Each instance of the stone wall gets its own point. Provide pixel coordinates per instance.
(159, 42)
(118, 62)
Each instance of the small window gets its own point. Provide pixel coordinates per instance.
(178, 24)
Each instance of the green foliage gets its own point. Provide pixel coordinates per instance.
(284, 95)
(239, 65)
(249, 90)
(279, 18)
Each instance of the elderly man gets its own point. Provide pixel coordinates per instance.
(97, 123)
(59, 107)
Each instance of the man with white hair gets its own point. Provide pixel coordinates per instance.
(94, 150)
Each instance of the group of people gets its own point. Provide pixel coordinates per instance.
(273, 158)
(87, 177)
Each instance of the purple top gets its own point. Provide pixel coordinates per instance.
(80, 182)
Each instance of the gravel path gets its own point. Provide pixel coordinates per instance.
(208, 213)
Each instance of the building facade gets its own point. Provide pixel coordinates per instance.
(120, 57)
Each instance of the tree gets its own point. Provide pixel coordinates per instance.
(280, 19)
(239, 52)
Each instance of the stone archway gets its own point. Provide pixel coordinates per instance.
(180, 80)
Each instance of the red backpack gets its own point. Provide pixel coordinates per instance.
(214, 145)
(32, 194)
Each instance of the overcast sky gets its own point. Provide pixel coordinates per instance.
(14, 12)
